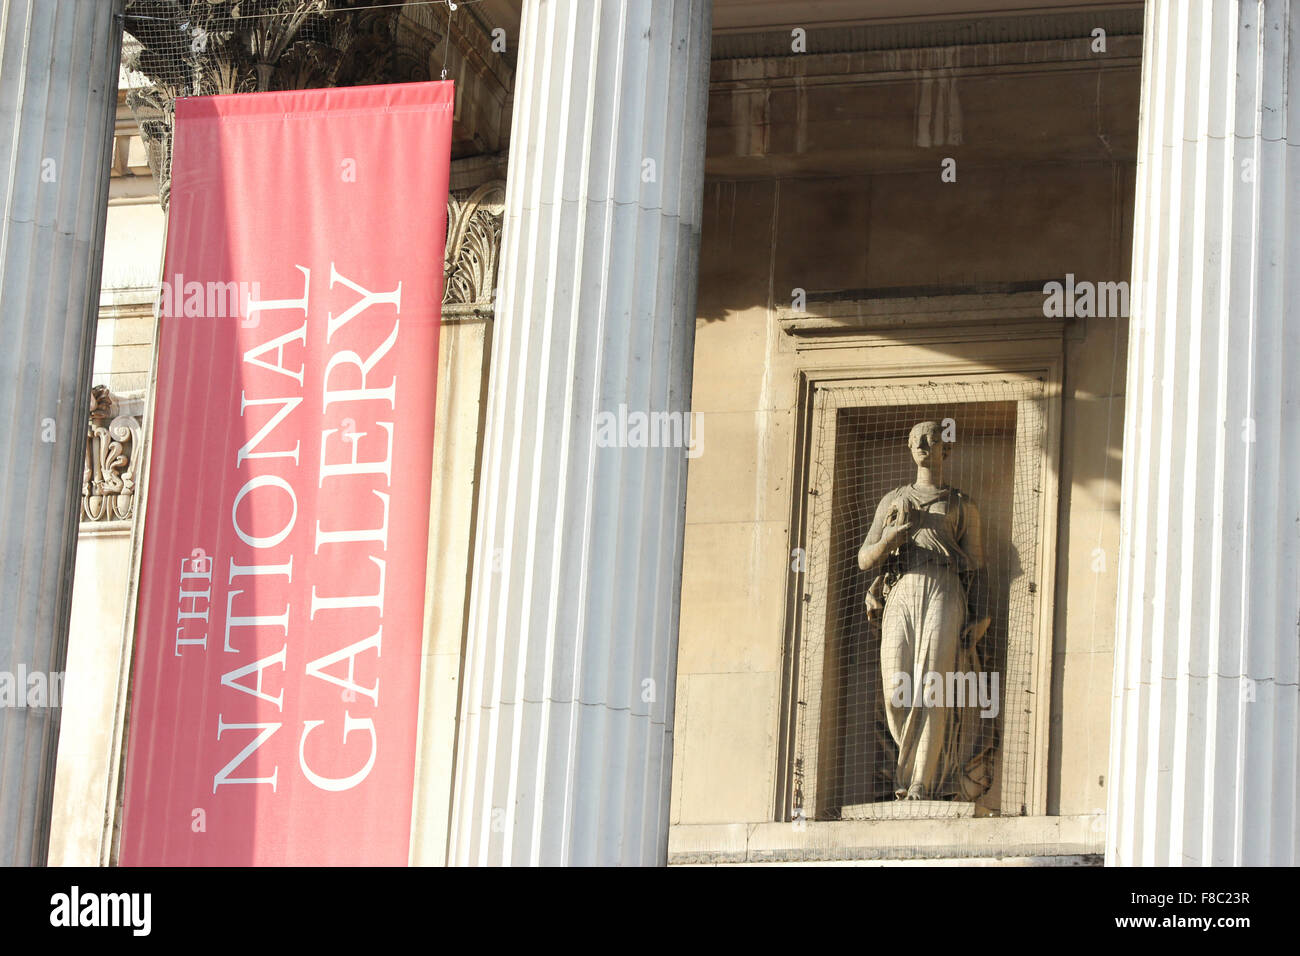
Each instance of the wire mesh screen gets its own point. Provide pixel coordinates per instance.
(905, 708)
(180, 48)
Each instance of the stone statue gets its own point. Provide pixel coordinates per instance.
(925, 555)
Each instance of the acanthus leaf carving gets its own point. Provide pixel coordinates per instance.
(473, 245)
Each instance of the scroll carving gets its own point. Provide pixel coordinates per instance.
(111, 469)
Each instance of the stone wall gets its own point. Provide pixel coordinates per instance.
(825, 175)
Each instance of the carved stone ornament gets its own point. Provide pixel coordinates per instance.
(111, 470)
(473, 245)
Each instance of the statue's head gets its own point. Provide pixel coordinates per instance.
(926, 441)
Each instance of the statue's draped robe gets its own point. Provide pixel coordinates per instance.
(941, 750)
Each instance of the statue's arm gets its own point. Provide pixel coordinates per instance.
(880, 542)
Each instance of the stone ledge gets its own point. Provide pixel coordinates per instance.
(854, 318)
(104, 529)
(1075, 840)
(1088, 860)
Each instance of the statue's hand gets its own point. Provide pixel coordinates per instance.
(900, 512)
(975, 631)
(896, 536)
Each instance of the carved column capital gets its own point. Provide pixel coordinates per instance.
(473, 244)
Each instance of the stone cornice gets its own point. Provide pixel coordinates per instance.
(929, 34)
(887, 66)
(849, 319)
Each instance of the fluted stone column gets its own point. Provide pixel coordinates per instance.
(1204, 726)
(566, 719)
(58, 97)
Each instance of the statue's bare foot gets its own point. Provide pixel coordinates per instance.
(915, 792)
(900, 794)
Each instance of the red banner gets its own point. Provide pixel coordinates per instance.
(278, 638)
